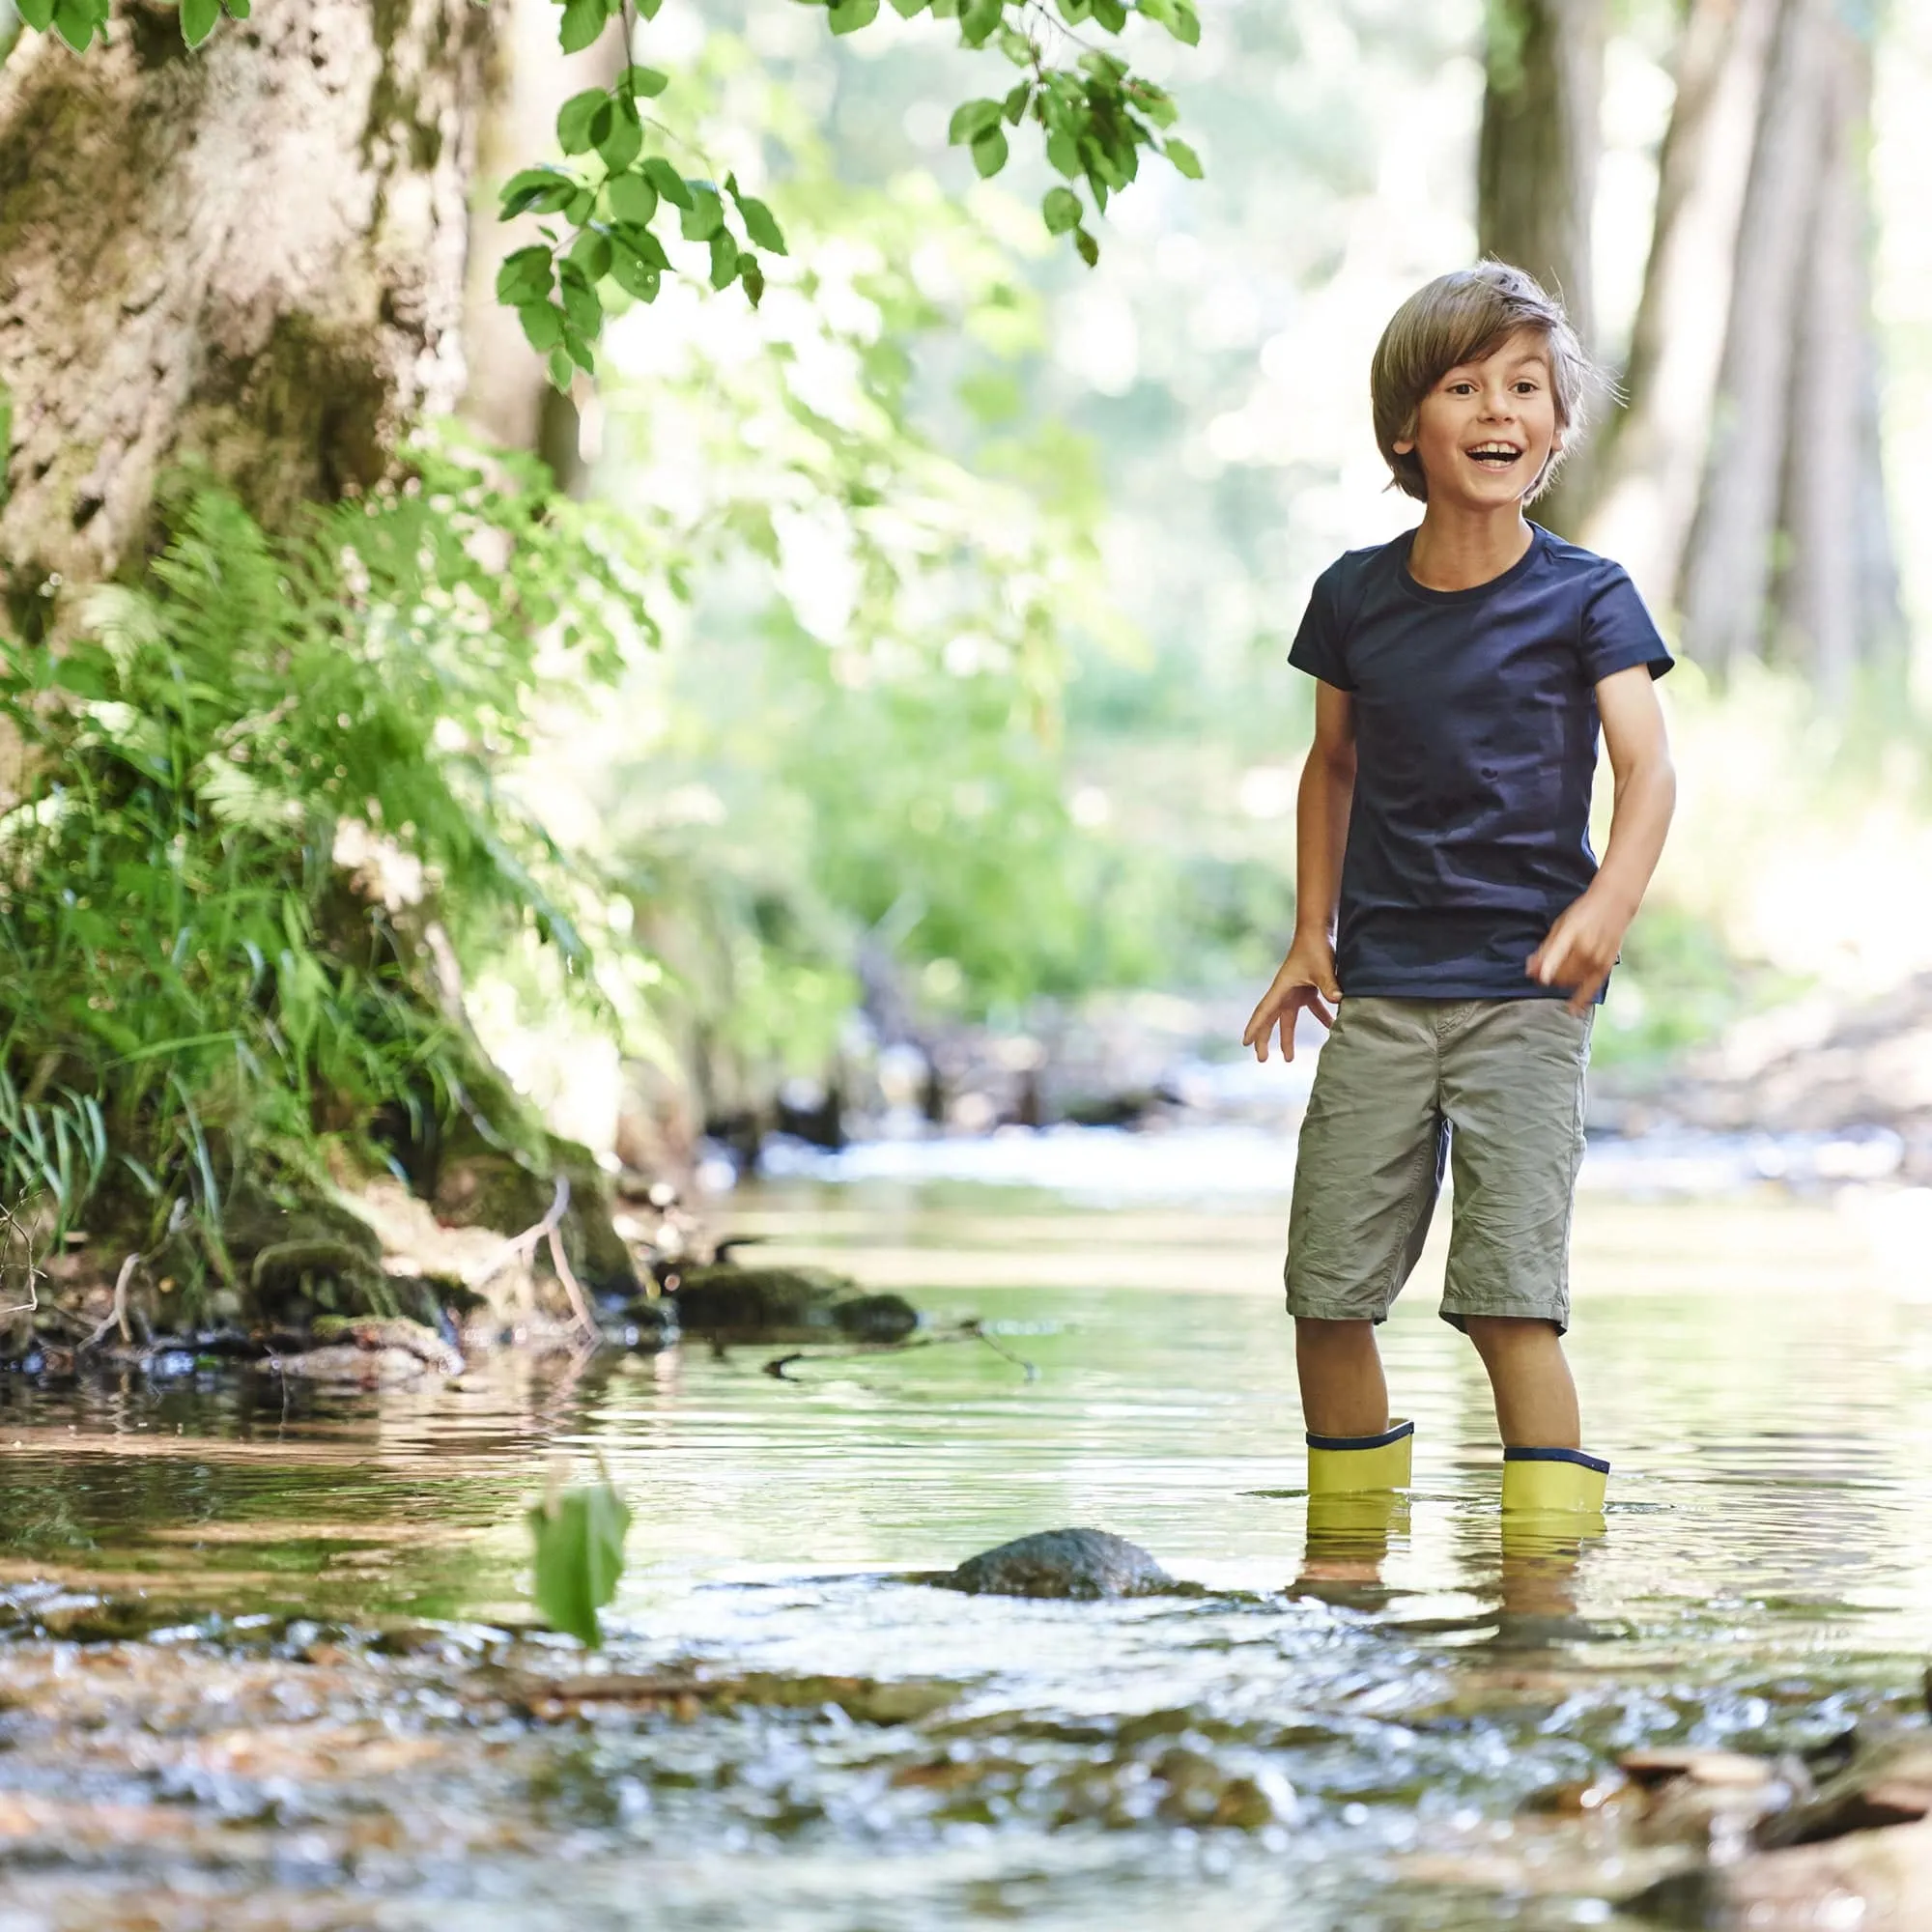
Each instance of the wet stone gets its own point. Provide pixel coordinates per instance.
(1080, 1563)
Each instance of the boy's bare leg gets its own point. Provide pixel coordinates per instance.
(1340, 1369)
(1536, 1401)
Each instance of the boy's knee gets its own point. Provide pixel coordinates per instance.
(1503, 1333)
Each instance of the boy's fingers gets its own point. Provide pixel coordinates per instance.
(1321, 1011)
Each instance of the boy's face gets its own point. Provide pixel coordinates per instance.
(1486, 431)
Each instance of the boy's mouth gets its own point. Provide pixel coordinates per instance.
(1496, 454)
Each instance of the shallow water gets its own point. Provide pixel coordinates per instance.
(1343, 1733)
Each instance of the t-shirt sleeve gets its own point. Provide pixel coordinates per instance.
(1318, 645)
(1617, 630)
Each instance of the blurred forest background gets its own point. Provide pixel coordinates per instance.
(871, 705)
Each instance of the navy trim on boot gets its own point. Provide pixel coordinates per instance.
(1576, 1455)
(1380, 1441)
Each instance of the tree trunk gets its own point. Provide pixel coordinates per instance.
(1650, 455)
(251, 256)
(1537, 160)
(1789, 553)
(510, 395)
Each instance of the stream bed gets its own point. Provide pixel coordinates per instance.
(270, 1663)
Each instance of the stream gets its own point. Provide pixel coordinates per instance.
(270, 1662)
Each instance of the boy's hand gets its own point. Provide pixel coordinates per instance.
(1580, 949)
(1306, 978)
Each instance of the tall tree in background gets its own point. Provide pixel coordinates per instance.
(1790, 555)
(1743, 485)
(1537, 160)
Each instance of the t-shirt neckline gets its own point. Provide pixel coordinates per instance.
(1473, 592)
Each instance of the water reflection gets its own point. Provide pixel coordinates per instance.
(1365, 1681)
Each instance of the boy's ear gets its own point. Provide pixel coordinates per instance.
(1404, 445)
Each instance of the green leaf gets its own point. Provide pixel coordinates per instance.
(236, 9)
(632, 273)
(575, 119)
(1153, 102)
(579, 1557)
(75, 21)
(1073, 11)
(644, 81)
(989, 152)
(723, 258)
(525, 276)
(562, 371)
(971, 119)
(1187, 23)
(1182, 157)
(667, 182)
(542, 325)
(905, 10)
(582, 23)
(642, 244)
(760, 223)
(631, 199)
(1061, 210)
(580, 208)
(704, 215)
(847, 16)
(39, 15)
(197, 19)
(578, 349)
(1016, 102)
(1110, 14)
(544, 189)
(1063, 154)
(753, 278)
(647, 9)
(582, 312)
(1090, 249)
(979, 19)
(623, 141)
(592, 252)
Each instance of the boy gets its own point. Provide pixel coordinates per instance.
(1445, 814)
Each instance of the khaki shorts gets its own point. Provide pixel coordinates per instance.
(1406, 1088)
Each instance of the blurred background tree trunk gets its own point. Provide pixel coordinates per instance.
(1537, 166)
(251, 256)
(1754, 503)
(510, 396)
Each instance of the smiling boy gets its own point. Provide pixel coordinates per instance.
(1452, 929)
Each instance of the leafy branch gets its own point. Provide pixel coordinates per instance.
(606, 208)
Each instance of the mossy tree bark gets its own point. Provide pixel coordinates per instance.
(251, 256)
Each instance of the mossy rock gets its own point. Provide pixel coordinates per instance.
(787, 1304)
(1082, 1564)
(486, 1187)
(293, 1258)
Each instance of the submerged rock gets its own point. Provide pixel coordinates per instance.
(787, 1304)
(372, 1352)
(1083, 1564)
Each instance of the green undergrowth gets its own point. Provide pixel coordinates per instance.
(251, 797)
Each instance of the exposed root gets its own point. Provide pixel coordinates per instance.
(117, 1316)
(523, 1247)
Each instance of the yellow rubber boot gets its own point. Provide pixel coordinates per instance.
(1553, 1483)
(1345, 1464)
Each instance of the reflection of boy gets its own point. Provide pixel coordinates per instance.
(1445, 814)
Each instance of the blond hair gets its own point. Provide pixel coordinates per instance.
(1461, 318)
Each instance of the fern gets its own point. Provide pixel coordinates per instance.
(188, 991)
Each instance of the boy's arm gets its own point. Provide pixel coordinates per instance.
(1582, 946)
(1307, 976)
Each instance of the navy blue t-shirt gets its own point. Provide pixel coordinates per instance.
(1476, 746)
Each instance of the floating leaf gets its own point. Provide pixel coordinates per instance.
(579, 1557)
